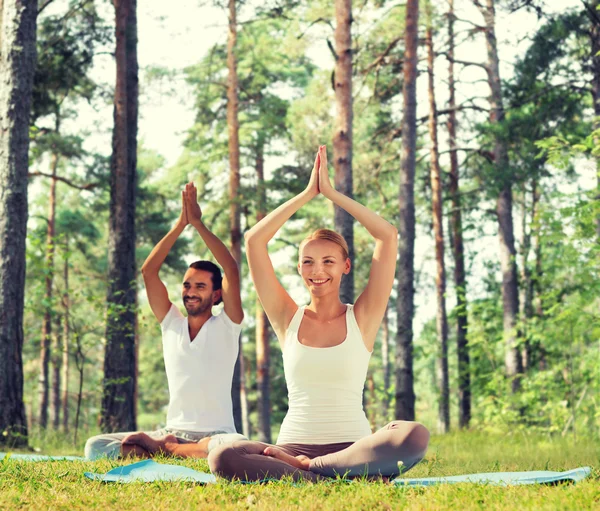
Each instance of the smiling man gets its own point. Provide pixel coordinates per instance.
(199, 350)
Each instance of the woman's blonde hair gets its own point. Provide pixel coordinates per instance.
(328, 235)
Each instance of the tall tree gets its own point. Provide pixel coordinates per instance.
(460, 281)
(385, 364)
(262, 323)
(48, 312)
(66, 339)
(504, 201)
(342, 137)
(525, 298)
(56, 359)
(405, 394)
(438, 231)
(118, 411)
(238, 390)
(17, 65)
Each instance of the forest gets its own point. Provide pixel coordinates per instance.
(481, 148)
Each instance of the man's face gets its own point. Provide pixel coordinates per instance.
(197, 293)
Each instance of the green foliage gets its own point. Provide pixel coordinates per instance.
(67, 43)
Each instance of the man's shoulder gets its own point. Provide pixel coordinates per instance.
(173, 318)
(222, 320)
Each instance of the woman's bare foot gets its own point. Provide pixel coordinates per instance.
(301, 462)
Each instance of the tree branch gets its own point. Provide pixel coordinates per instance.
(332, 49)
(465, 62)
(385, 53)
(88, 186)
(478, 27)
(326, 21)
(43, 6)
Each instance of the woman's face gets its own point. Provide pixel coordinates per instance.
(321, 267)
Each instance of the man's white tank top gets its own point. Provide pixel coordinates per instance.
(325, 387)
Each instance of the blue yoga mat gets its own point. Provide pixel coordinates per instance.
(37, 457)
(502, 478)
(149, 470)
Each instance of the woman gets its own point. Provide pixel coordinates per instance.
(326, 349)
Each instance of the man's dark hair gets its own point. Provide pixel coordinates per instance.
(215, 273)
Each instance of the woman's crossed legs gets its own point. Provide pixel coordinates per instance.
(376, 454)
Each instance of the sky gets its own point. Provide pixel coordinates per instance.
(178, 34)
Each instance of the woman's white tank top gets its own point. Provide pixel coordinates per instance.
(325, 387)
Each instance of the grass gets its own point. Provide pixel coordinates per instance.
(62, 485)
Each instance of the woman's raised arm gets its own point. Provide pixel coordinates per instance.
(278, 305)
(370, 305)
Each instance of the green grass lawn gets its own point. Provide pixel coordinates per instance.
(62, 485)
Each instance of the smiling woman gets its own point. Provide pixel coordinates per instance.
(323, 259)
(326, 349)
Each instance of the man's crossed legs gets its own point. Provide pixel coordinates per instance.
(166, 441)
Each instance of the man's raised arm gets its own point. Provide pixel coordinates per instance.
(230, 290)
(158, 297)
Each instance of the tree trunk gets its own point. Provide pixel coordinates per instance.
(233, 128)
(405, 395)
(385, 365)
(118, 411)
(79, 363)
(371, 408)
(526, 296)
(460, 281)
(262, 323)
(245, 413)
(510, 291)
(438, 230)
(46, 339)
(136, 340)
(536, 279)
(594, 15)
(56, 358)
(342, 137)
(65, 350)
(17, 65)
(132, 131)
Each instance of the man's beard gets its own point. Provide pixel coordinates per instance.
(197, 309)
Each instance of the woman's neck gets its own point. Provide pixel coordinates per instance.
(325, 308)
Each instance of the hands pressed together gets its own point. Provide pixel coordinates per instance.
(301, 462)
(319, 177)
(319, 183)
(190, 209)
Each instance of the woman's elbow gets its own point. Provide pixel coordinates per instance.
(248, 237)
(251, 239)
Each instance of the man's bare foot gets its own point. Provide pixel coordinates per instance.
(134, 451)
(151, 445)
(301, 462)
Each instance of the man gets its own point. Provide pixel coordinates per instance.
(200, 351)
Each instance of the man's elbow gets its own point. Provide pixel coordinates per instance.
(391, 235)
(147, 270)
(232, 271)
